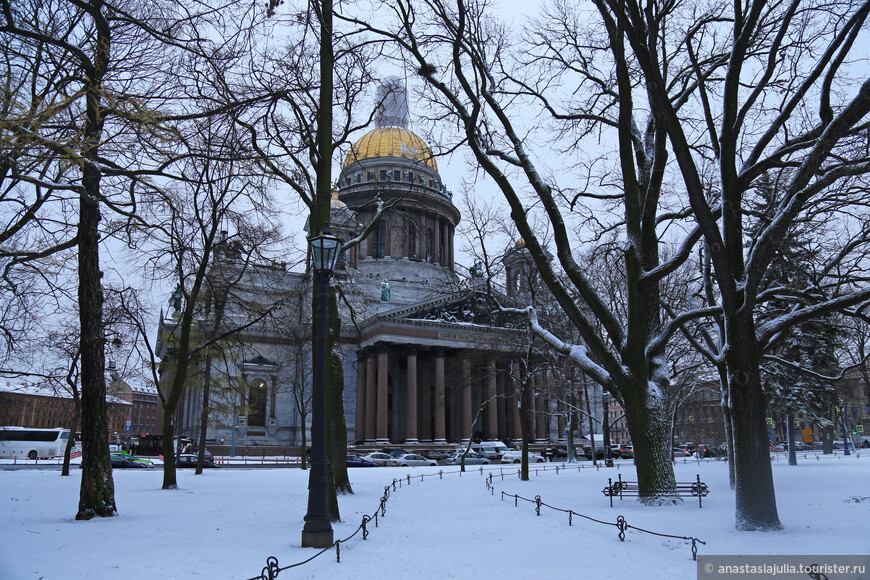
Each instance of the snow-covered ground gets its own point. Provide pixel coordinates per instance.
(225, 523)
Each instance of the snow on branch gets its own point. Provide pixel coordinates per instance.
(773, 327)
(374, 221)
(576, 352)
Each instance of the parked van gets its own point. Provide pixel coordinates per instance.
(490, 449)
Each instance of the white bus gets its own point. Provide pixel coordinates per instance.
(21, 442)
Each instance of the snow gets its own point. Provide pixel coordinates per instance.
(226, 522)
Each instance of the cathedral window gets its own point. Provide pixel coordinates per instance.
(383, 174)
(370, 176)
(257, 404)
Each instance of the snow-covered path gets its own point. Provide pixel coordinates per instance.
(225, 524)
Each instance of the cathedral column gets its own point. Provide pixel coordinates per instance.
(501, 404)
(542, 411)
(440, 431)
(445, 243)
(411, 418)
(466, 399)
(425, 427)
(491, 402)
(450, 234)
(360, 418)
(371, 409)
(382, 429)
(436, 251)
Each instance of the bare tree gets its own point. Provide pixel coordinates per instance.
(488, 94)
(755, 83)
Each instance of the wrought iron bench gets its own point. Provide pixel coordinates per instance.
(623, 488)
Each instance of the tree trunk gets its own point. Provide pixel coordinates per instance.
(525, 419)
(336, 427)
(754, 490)
(220, 304)
(647, 422)
(792, 452)
(591, 424)
(97, 494)
(203, 417)
(569, 437)
(728, 424)
(829, 433)
(170, 480)
(73, 427)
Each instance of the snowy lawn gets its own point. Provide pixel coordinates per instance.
(225, 523)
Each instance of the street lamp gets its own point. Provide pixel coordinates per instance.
(845, 434)
(317, 531)
(605, 399)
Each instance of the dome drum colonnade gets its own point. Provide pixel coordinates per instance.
(395, 166)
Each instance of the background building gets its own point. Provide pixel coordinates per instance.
(43, 406)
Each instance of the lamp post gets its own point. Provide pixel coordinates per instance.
(317, 532)
(608, 460)
(845, 434)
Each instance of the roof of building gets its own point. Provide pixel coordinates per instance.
(43, 390)
(391, 142)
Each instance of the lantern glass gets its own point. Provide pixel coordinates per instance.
(324, 251)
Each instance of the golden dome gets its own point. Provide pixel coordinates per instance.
(390, 142)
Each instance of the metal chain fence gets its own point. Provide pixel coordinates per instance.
(272, 568)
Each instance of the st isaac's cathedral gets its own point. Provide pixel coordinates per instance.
(428, 356)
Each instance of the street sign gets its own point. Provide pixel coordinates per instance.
(770, 420)
(807, 435)
(691, 418)
(860, 428)
(128, 423)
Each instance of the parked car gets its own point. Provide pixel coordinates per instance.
(378, 458)
(124, 460)
(555, 451)
(393, 451)
(410, 460)
(705, 451)
(516, 456)
(189, 460)
(357, 461)
(132, 457)
(490, 449)
(599, 453)
(687, 447)
(471, 459)
(436, 454)
(626, 451)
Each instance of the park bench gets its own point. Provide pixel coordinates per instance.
(623, 488)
